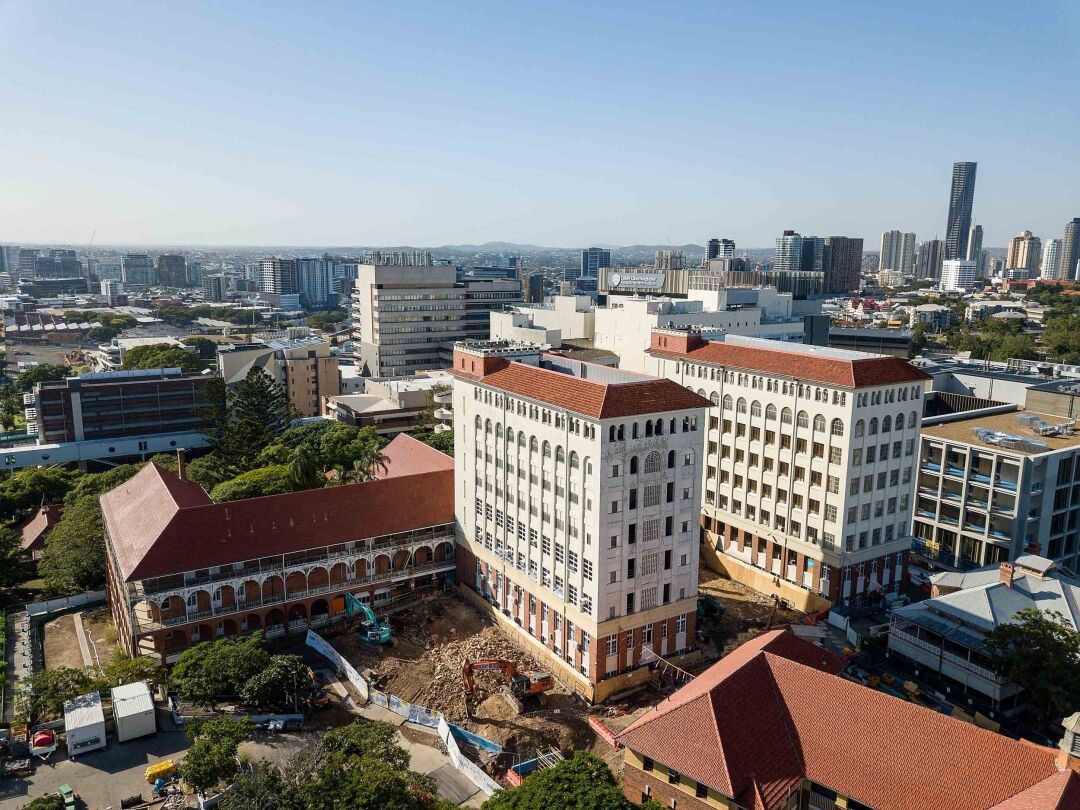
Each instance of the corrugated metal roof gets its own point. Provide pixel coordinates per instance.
(83, 712)
(132, 698)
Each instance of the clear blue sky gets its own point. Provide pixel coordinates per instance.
(559, 123)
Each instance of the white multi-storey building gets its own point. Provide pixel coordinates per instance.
(958, 274)
(577, 495)
(809, 462)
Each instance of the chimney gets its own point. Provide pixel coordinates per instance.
(1069, 747)
(1005, 574)
(181, 463)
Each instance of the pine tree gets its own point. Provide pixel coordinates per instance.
(258, 410)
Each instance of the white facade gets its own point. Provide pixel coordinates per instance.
(590, 520)
(1050, 259)
(84, 724)
(133, 711)
(809, 481)
(897, 252)
(958, 274)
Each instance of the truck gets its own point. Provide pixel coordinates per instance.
(523, 684)
(374, 630)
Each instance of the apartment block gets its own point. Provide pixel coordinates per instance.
(407, 317)
(303, 364)
(809, 467)
(118, 404)
(577, 494)
(994, 487)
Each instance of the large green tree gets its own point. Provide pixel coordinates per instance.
(43, 697)
(583, 782)
(25, 490)
(283, 683)
(207, 348)
(1040, 652)
(212, 758)
(272, 480)
(161, 355)
(13, 565)
(218, 669)
(47, 372)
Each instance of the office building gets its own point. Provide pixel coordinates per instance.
(994, 487)
(669, 260)
(279, 276)
(773, 726)
(842, 264)
(798, 253)
(1024, 253)
(406, 317)
(137, 270)
(961, 200)
(172, 270)
(928, 264)
(215, 288)
(946, 633)
(316, 282)
(534, 288)
(27, 263)
(181, 569)
(593, 261)
(1051, 259)
(390, 405)
(303, 364)
(1069, 263)
(957, 275)
(720, 249)
(111, 291)
(577, 490)
(897, 252)
(975, 250)
(120, 404)
(809, 463)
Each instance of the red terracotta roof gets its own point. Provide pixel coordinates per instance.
(35, 528)
(768, 716)
(408, 456)
(590, 398)
(159, 526)
(803, 364)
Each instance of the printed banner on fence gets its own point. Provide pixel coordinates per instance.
(321, 645)
(424, 717)
(398, 706)
(380, 698)
(463, 764)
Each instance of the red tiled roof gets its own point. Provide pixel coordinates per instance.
(774, 712)
(590, 398)
(803, 364)
(35, 529)
(408, 456)
(158, 525)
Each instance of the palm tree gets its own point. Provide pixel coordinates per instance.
(304, 469)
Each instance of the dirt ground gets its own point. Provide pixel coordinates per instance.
(62, 644)
(99, 625)
(431, 641)
(746, 614)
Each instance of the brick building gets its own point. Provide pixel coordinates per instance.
(182, 569)
(577, 495)
(773, 726)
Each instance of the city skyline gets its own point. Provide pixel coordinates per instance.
(469, 141)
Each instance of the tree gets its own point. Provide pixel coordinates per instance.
(13, 567)
(260, 788)
(356, 451)
(26, 490)
(50, 801)
(161, 355)
(207, 348)
(583, 781)
(258, 410)
(74, 557)
(256, 483)
(367, 738)
(212, 757)
(48, 690)
(123, 669)
(1039, 652)
(443, 441)
(102, 334)
(304, 469)
(283, 683)
(216, 669)
(326, 321)
(47, 372)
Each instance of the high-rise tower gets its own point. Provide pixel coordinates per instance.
(961, 199)
(1070, 250)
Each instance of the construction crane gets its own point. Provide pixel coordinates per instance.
(522, 684)
(374, 630)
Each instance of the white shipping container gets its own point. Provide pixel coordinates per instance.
(133, 711)
(84, 724)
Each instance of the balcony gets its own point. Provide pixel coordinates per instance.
(444, 414)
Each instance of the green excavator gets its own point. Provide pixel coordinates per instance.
(373, 630)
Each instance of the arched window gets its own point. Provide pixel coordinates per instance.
(899, 421)
(873, 426)
(770, 411)
(785, 416)
(914, 419)
(671, 426)
(633, 465)
(886, 424)
(621, 433)
(740, 406)
(479, 423)
(671, 460)
(755, 408)
(860, 429)
(837, 427)
(648, 428)
(701, 392)
(509, 435)
(547, 449)
(802, 420)
(498, 430)
(611, 433)
(534, 445)
(574, 463)
(714, 398)
(652, 462)
(633, 431)
(560, 456)
(521, 440)
(659, 427)
(487, 426)
(819, 423)
(729, 403)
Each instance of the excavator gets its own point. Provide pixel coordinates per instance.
(375, 631)
(522, 684)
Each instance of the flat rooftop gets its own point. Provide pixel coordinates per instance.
(1006, 424)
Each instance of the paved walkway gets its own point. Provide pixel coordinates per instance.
(80, 633)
